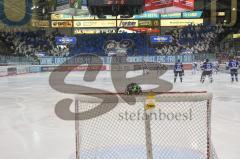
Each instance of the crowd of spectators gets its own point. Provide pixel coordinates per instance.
(30, 43)
(191, 39)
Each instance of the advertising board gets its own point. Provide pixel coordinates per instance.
(62, 24)
(3, 71)
(95, 24)
(181, 22)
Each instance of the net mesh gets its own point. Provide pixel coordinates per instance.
(177, 128)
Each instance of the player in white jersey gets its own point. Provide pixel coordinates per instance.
(145, 68)
(194, 68)
(216, 67)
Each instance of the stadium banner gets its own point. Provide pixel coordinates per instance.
(161, 39)
(95, 24)
(62, 24)
(11, 71)
(236, 36)
(73, 68)
(147, 15)
(48, 68)
(105, 23)
(41, 23)
(3, 71)
(35, 69)
(22, 70)
(94, 31)
(192, 14)
(180, 22)
(61, 17)
(127, 23)
(84, 17)
(171, 16)
(148, 23)
(107, 17)
(134, 23)
(66, 40)
(145, 23)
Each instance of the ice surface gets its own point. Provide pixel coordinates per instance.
(30, 129)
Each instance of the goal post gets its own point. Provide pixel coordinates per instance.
(178, 127)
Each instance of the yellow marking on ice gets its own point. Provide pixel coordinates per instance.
(150, 101)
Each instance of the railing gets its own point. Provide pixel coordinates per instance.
(187, 58)
(12, 60)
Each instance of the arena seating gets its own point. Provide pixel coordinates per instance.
(30, 43)
(188, 40)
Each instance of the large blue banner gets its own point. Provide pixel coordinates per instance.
(66, 40)
(161, 39)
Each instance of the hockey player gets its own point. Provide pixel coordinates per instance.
(216, 67)
(133, 89)
(194, 68)
(145, 68)
(207, 68)
(233, 66)
(178, 70)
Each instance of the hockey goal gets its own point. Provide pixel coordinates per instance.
(178, 127)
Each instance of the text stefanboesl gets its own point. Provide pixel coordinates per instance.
(157, 115)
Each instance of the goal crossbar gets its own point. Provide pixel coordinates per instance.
(160, 97)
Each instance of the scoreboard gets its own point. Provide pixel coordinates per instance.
(114, 2)
(115, 7)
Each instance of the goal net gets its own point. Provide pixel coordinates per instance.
(177, 126)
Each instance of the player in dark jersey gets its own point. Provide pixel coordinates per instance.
(233, 66)
(178, 70)
(207, 68)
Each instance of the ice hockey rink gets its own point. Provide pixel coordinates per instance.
(29, 127)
